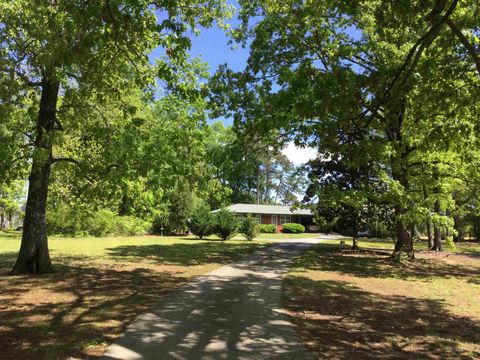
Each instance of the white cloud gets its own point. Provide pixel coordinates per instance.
(299, 155)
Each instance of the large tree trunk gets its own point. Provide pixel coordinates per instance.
(34, 256)
(404, 238)
(394, 113)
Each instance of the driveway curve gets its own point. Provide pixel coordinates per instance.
(233, 312)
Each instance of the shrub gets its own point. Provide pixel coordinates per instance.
(267, 228)
(201, 221)
(83, 222)
(130, 226)
(293, 228)
(226, 224)
(101, 223)
(449, 243)
(249, 227)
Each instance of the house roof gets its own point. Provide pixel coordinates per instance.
(266, 209)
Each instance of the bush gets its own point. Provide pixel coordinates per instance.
(293, 228)
(131, 226)
(449, 243)
(201, 222)
(67, 220)
(226, 224)
(83, 222)
(107, 222)
(249, 227)
(267, 228)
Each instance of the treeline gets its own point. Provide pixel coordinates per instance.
(388, 94)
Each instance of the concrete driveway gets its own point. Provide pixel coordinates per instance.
(230, 313)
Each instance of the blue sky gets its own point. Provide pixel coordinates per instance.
(212, 46)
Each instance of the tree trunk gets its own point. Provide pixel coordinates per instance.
(10, 221)
(355, 236)
(395, 113)
(355, 243)
(460, 236)
(258, 184)
(34, 256)
(2, 220)
(476, 228)
(412, 232)
(437, 234)
(429, 233)
(428, 222)
(404, 238)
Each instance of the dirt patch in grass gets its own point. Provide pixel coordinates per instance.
(87, 303)
(361, 306)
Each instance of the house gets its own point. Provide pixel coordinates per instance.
(275, 214)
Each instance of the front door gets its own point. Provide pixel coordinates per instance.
(274, 220)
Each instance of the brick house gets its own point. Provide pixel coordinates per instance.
(275, 214)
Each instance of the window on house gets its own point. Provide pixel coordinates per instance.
(274, 220)
(285, 219)
(258, 217)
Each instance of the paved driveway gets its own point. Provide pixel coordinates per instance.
(230, 313)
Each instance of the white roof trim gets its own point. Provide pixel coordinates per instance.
(266, 209)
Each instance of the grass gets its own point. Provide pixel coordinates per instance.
(100, 285)
(362, 306)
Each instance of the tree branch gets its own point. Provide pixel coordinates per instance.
(463, 39)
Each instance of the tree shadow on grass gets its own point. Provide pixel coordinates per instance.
(341, 321)
(186, 254)
(74, 312)
(327, 257)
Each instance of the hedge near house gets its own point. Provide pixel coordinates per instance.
(293, 228)
(266, 228)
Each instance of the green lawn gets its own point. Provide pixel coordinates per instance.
(360, 305)
(100, 285)
(152, 249)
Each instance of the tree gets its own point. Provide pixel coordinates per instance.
(62, 58)
(323, 73)
(252, 169)
(226, 224)
(201, 222)
(11, 199)
(249, 227)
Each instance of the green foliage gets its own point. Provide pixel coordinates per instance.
(226, 224)
(267, 228)
(253, 171)
(201, 222)
(81, 221)
(395, 124)
(402, 256)
(11, 199)
(249, 227)
(293, 228)
(449, 243)
(179, 210)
